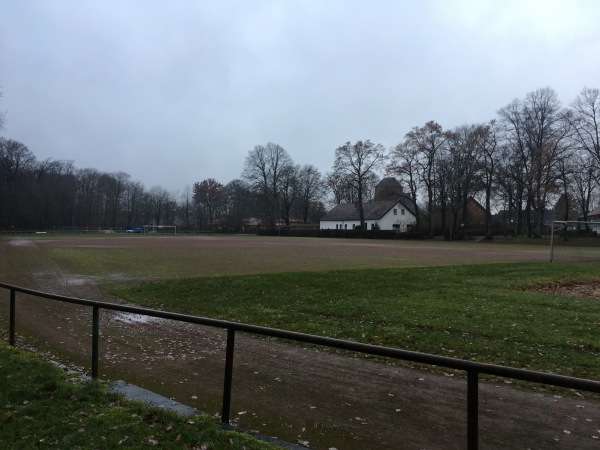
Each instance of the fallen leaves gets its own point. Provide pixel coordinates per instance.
(589, 289)
(360, 420)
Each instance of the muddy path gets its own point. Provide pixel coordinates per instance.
(310, 396)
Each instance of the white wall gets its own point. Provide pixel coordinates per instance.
(403, 220)
(347, 224)
(385, 223)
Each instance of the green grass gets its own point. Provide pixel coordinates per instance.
(43, 408)
(480, 312)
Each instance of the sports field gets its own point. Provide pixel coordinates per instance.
(420, 295)
(499, 302)
(138, 256)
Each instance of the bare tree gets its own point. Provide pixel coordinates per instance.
(444, 188)
(239, 203)
(185, 206)
(358, 162)
(89, 201)
(158, 198)
(547, 130)
(133, 202)
(113, 187)
(211, 195)
(341, 188)
(464, 164)
(15, 162)
(586, 122)
(289, 192)
(427, 141)
(52, 196)
(536, 130)
(264, 169)
(404, 163)
(170, 208)
(485, 136)
(563, 204)
(311, 189)
(585, 179)
(513, 161)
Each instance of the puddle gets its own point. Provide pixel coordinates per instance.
(134, 318)
(77, 280)
(21, 242)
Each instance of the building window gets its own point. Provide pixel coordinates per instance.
(345, 226)
(395, 212)
(402, 211)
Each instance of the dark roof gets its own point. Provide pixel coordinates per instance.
(475, 203)
(388, 189)
(595, 212)
(372, 210)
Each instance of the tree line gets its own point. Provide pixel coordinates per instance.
(53, 194)
(534, 154)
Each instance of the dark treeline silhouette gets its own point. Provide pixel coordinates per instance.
(535, 155)
(51, 194)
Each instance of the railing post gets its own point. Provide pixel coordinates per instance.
(552, 242)
(95, 340)
(472, 410)
(228, 375)
(11, 320)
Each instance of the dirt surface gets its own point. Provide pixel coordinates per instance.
(589, 290)
(310, 396)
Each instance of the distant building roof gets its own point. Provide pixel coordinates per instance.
(591, 214)
(388, 189)
(252, 222)
(372, 210)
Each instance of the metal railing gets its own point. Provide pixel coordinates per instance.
(472, 369)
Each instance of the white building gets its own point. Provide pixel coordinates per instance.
(393, 215)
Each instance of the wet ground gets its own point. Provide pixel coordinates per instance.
(314, 397)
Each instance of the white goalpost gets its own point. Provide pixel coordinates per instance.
(570, 225)
(161, 229)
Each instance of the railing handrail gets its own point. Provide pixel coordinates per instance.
(472, 368)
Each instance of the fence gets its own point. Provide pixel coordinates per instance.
(472, 369)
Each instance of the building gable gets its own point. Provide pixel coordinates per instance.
(388, 214)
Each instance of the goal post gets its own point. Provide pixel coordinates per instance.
(569, 225)
(160, 229)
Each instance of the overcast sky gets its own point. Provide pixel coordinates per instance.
(174, 92)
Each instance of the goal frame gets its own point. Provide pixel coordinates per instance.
(563, 224)
(159, 228)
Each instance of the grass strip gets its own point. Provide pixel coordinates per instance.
(44, 407)
(487, 313)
